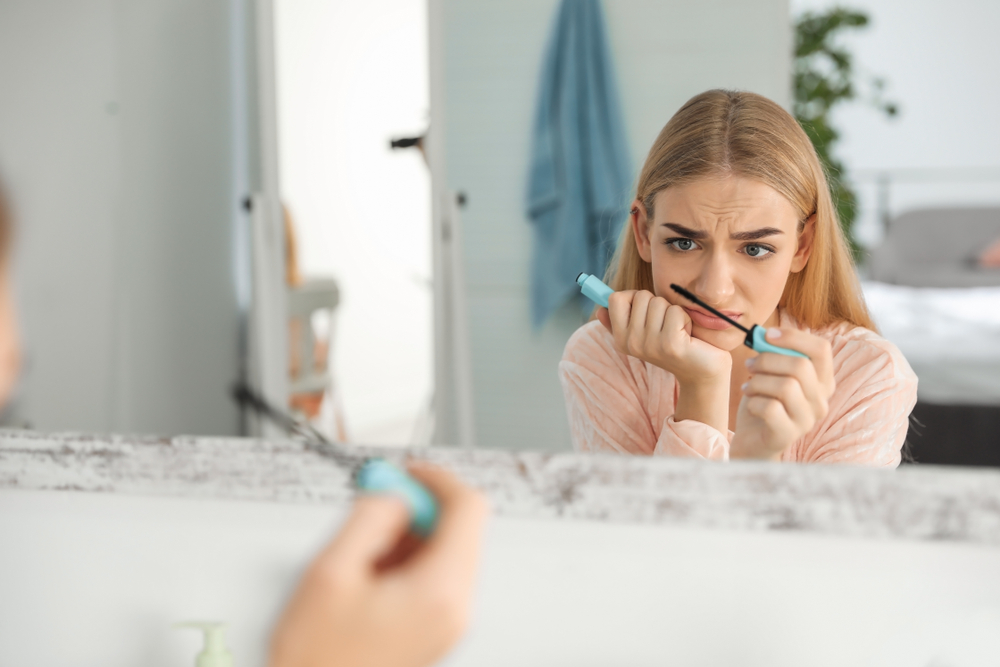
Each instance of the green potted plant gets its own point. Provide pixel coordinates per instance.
(825, 77)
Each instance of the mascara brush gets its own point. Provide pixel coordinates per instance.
(755, 334)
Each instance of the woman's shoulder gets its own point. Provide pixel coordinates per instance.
(855, 348)
(589, 341)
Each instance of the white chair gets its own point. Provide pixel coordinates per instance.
(310, 376)
(310, 297)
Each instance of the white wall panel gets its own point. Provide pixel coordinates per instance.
(117, 145)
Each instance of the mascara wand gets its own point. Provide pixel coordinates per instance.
(370, 474)
(755, 334)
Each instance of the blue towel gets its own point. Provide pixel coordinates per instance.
(580, 179)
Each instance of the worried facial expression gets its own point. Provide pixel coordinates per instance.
(732, 241)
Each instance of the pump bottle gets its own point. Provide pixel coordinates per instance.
(215, 653)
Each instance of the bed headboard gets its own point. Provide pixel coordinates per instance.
(937, 248)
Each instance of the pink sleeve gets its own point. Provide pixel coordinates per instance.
(613, 406)
(870, 408)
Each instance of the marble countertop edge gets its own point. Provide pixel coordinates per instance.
(913, 502)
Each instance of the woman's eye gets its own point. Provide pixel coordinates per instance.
(682, 244)
(757, 251)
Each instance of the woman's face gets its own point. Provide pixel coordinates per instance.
(730, 240)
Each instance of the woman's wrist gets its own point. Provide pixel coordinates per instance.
(744, 446)
(705, 401)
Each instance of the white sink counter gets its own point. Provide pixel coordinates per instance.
(590, 560)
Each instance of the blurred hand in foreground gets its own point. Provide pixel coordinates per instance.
(377, 595)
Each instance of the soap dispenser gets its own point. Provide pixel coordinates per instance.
(215, 653)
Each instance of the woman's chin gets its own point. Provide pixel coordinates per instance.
(728, 339)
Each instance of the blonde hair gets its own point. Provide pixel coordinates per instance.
(723, 132)
(6, 226)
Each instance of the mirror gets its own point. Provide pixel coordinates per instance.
(328, 204)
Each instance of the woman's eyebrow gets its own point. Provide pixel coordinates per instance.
(755, 234)
(696, 234)
(686, 231)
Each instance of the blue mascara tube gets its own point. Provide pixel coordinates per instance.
(594, 289)
(380, 476)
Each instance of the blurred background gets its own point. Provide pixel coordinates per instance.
(328, 202)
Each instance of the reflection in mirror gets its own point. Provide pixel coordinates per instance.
(124, 154)
(351, 78)
(363, 222)
(372, 216)
(516, 400)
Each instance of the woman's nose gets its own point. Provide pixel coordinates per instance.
(715, 281)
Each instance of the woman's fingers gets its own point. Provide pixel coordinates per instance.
(767, 409)
(803, 370)
(619, 314)
(676, 320)
(814, 374)
(786, 395)
(636, 320)
(788, 392)
(357, 605)
(604, 317)
(376, 524)
(651, 329)
(655, 312)
(452, 549)
(636, 338)
(817, 349)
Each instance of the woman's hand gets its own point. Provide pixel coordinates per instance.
(652, 329)
(785, 396)
(376, 595)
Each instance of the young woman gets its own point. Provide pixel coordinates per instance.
(10, 344)
(733, 205)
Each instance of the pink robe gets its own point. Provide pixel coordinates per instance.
(618, 403)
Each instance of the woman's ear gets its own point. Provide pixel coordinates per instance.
(805, 248)
(640, 229)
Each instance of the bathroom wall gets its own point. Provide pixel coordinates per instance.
(943, 85)
(98, 579)
(123, 143)
(665, 52)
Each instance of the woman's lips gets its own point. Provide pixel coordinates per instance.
(707, 321)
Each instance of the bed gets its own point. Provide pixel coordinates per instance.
(950, 336)
(929, 296)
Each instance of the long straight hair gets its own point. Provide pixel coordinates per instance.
(721, 132)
